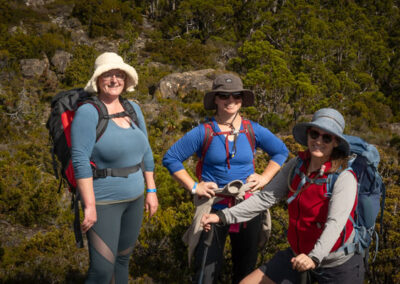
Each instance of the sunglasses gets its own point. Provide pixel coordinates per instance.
(225, 96)
(108, 75)
(314, 134)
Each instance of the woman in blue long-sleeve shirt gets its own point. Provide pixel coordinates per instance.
(229, 157)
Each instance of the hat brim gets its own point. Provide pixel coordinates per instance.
(248, 98)
(300, 135)
(130, 82)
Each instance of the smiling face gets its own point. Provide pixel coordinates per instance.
(228, 103)
(111, 83)
(320, 143)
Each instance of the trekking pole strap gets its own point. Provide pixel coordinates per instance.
(77, 225)
(116, 172)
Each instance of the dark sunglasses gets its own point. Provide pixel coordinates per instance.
(314, 134)
(225, 96)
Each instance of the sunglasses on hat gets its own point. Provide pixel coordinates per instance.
(314, 134)
(225, 96)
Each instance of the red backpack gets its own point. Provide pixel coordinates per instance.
(209, 135)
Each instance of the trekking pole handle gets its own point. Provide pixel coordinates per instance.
(210, 235)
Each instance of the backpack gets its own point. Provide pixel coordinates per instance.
(370, 188)
(209, 135)
(371, 194)
(63, 108)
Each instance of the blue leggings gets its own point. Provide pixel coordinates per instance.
(111, 241)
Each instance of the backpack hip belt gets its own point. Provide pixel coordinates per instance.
(115, 172)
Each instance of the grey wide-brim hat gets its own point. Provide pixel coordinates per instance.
(328, 120)
(227, 83)
(108, 61)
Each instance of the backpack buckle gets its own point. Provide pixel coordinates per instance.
(101, 173)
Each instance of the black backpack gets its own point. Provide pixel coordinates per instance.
(63, 108)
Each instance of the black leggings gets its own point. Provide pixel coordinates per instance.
(111, 240)
(244, 252)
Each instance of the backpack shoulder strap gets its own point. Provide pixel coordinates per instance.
(103, 115)
(129, 110)
(208, 137)
(295, 170)
(249, 131)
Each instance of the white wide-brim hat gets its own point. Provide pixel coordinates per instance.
(109, 61)
(328, 120)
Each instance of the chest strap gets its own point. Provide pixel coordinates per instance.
(304, 179)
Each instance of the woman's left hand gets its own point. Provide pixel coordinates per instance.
(151, 203)
(256, 181)
(302, 263)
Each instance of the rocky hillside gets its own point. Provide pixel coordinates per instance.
(297, 56)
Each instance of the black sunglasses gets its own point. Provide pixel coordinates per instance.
(314, 134)
(225, 96)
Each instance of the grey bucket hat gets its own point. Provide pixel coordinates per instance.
(326, 119)
(228, 83)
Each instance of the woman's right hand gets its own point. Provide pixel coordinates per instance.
(207, 220)
(206, 189)
(90, 217)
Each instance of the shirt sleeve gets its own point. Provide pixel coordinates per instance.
(148, 158)
(270, 144)
(340, 206)
(185, 147)
(83, 138)
(272, 193)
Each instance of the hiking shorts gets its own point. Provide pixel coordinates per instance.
(279, 269)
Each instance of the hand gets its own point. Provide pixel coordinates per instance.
(151, 203)
(302, 263)
(206, 189)
(207, 219)
(256, 181)
(89, 219)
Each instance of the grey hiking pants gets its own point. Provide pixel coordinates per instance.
(111, 241)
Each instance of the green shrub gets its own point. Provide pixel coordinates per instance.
(80, 68)
(105, 18)
(49, 257)
(188, 53)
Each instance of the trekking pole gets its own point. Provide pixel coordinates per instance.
(305, 277)
(207, 244)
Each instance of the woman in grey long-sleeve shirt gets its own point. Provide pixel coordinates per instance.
(319, 225)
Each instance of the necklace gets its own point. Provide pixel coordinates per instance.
(230, 124)
(233, 132)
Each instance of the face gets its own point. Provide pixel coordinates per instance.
(229, 103)
(320, 143)
(112, 82)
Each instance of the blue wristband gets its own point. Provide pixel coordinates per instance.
(194, 188)
(151, 190)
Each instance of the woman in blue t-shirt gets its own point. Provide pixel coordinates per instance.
(113, 204)
(229, 157)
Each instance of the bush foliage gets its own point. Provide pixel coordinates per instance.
(297, 56)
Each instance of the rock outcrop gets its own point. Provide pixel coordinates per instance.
(33, 67)
(60, 61)
(172, 84)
